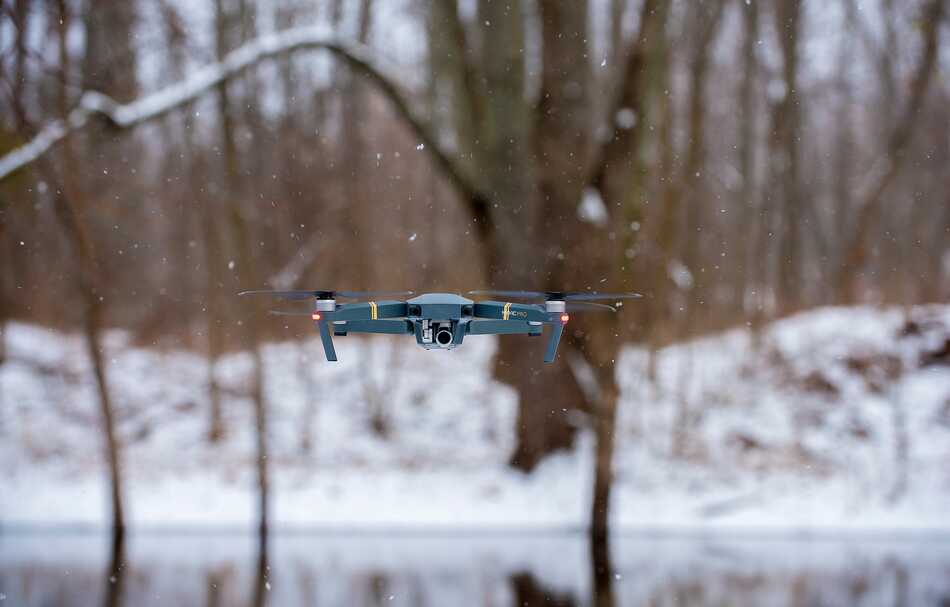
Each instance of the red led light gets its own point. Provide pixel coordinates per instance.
(565, 318)
(315, 316)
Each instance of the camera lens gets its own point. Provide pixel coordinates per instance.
(443, 337)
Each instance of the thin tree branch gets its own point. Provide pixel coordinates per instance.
(126, 116)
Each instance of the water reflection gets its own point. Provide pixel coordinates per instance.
(115, 572)
(220, 570)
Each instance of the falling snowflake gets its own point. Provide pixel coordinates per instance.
(413, 236)
(592, 208)
(625, 118)
(421, 146)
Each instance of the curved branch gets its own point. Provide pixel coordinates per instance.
(158, 104)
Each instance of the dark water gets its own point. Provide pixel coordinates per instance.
(152, 568)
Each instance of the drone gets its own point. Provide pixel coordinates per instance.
(440, 321)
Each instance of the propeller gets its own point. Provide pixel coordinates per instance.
(559, 295)
(288, 313)
(301, 295)
(586, 306)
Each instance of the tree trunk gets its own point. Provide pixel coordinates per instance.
(451, 65)
(749, 208)
(786, 133)
(704, 24)
(620, 180)
(92, 319)
(246, 270)
(604, 420)
(68, 203)
(503, 156)
(213, 320)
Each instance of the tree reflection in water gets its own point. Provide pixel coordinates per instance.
(221, 570)
(602, 573)
(262, 579)
(115, 572)
(529, 592)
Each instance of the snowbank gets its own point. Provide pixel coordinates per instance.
(835, 419)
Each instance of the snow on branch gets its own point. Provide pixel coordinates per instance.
(156, 105)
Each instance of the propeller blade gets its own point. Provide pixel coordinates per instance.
(559, 295)
(593, 296)
(287, 313)
(515, 294)
(301, 295)
(586, 306)
(289, 295)
(368, 294)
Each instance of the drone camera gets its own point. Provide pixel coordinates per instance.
(438, 333)
(443, 336)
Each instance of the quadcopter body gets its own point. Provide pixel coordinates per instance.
(441, 321)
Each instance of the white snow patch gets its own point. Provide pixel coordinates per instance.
(796, 433)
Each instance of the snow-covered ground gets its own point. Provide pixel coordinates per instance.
(802, 431)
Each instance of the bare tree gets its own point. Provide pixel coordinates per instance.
(785, 190)
(70, 200)
(704, 19)
(240, 220)
(886, 169)
(749, 208)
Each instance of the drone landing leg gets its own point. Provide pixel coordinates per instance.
(556, 329)
(327, 340)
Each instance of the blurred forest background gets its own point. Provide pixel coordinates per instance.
(735, 161)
